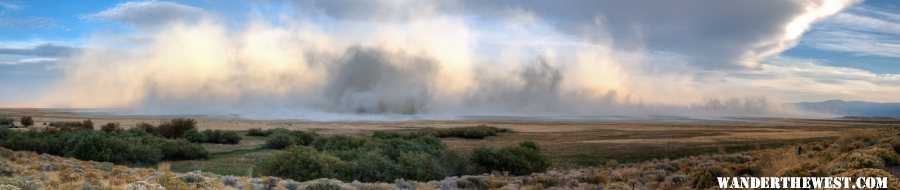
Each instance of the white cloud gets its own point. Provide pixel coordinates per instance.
(150, 13)
(426, 57)
(713, 34)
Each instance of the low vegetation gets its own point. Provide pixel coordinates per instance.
(281, 138)
(258, 132)
(4, 121)
(73, 125)
(111, 127)
(867, 154)
(212, 136)
(517, 160)
(186, 129)
(387, 156)
(175, 128)
(124, 147)
(26, 121)
(474, 132)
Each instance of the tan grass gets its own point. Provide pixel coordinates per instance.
(164, 166)
(780, 158)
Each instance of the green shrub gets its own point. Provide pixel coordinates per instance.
(474, 132)
(131, 146)
(59, 124)
(519, 160)
(279, 141)
(342, 143)
(222, 137)
(146, 127)
(182, 150)
(195, 136)
(300, 137)
(385, 158)
(394, 147)
(176, 128)
(229, 137)
(301, 163)
(94, 146)
(264, 133)
(33, 140)
(73, 125)
(257, 132)
(141, 152)
(111, 127)
(388, 156)
(6, 121)
(26, 121)
(370, 166)
(87, 124)
(420, 166)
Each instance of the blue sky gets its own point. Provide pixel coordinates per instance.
(722, 50)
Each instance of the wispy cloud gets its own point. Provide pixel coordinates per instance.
(35, 52)
(33, 60)
(795, 79)
(10, 6)
(863, 31)
(40, 50)
(149, 13)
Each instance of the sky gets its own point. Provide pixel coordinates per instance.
(447, 57)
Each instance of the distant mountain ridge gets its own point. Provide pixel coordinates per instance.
(853, 108)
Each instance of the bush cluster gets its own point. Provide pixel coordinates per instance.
(212, 136)
(380, 158)
(265, 133)
(26, 121)
(258, 132)
(186, 129)
(385, 156)
(281, 138)
(128, 147)
(474, 132)
(73, 125)
(175, 128)
(305, 163)
(6, 121)
(523, 159)
(111, 127)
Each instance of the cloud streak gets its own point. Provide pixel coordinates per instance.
(149, 13)
(861, 31)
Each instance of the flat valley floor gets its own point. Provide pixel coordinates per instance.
(567, 144)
